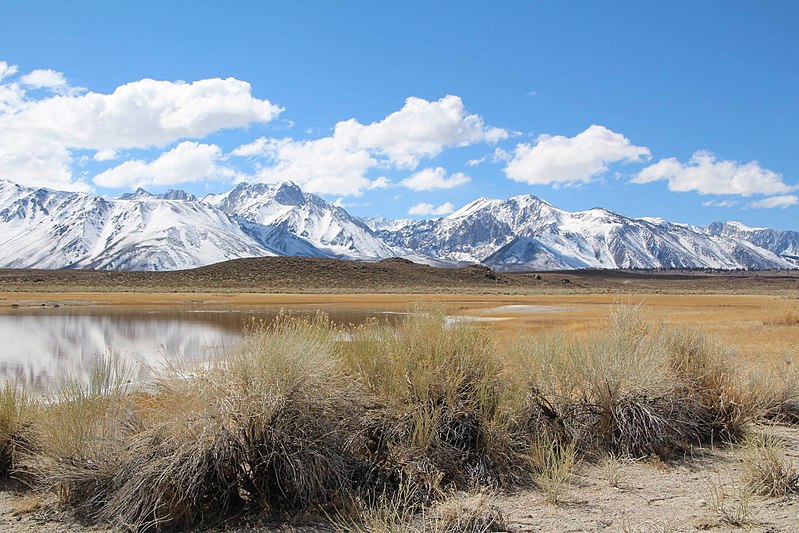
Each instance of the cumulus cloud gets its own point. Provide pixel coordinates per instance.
(321, 166)
(338, 164)
(7, 70)
(44, 164)
(421, 129)
(560, 160)
(425, 209)
(37, 135)
(142, 114)
(782, 201)
(705, 175)
(430, 179)
(188, 161)
(44, 79)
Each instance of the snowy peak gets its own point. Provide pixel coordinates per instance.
(382, 223)
(318, 224)
(171, 194)
(783, 243)
(525, 232)
(40, 228)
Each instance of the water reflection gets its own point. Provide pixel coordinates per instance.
(40, 344)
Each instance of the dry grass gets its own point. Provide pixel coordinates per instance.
(732, 504)
(789, 316)
(634, 389)
(376, 428)
(15, 416)
(767, 470)
(553, 463)
(458, 513)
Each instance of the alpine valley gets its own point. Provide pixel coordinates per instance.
(42, 228)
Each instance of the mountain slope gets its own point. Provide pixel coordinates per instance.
(783, 243)
(291, 222)
(40, 228)
(525, 232)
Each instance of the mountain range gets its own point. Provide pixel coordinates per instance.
(42, 228)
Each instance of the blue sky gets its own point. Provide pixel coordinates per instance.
(683, 110)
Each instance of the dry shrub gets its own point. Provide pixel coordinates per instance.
(267, 427)
(458, 513)
(15, 416)
(75, 446)
(705, 372)
(447, 417)
(767, 471)
(633, 389)
(775, 393)
(476, 514)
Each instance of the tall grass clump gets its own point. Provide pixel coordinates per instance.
(266, 428)
(775, 392)
(445, 414)
(767, 470)
(633, 389)
(15, 419)
(75, 446)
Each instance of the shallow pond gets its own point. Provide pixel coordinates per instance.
(39, 344)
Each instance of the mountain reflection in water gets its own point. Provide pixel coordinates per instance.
(38, 345)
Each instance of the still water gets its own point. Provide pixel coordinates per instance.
(38, 345)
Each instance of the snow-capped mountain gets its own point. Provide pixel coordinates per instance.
(525, 232)
(387, 224)
(783, 243)
(291, 222)
(41, 228)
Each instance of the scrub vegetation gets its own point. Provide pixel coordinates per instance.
(370, 428)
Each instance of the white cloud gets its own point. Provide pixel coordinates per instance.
(142, 114)
(381, 182)
(106, 155)
(558, 159)
(12, 97)
(44, 79)
(783, 201)
(188, 161)
(425, 209)
(720, 203)
(7, 70)
(321, 166)
(430, 179)
(705, 175)
(421, 129)
(36, 135)
(338, 164)
(497, 156)
(45, 164)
